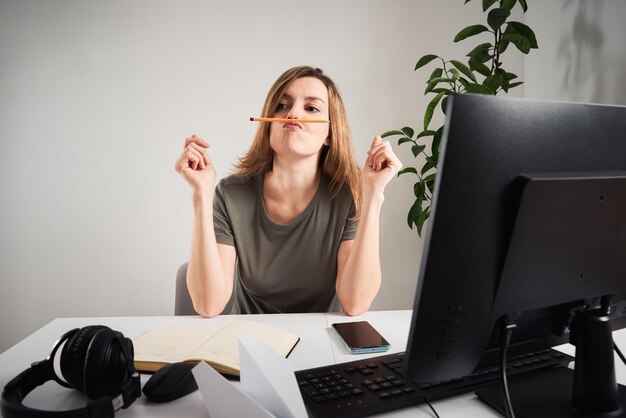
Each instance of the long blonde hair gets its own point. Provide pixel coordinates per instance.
(337, 159)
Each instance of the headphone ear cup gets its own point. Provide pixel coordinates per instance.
(106, 367)
(73, 355)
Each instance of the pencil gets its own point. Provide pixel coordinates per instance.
(289, 120)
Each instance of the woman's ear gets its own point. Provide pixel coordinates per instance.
(327, 141)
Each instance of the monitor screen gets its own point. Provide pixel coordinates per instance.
(528, 220)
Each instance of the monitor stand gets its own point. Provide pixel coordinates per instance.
(588, 391)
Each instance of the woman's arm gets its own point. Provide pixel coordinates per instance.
(211, 265)
(358, 261)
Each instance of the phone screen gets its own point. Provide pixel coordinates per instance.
(361, 337)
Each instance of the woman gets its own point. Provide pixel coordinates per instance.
(298, 222)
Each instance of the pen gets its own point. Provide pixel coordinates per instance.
(289, 120)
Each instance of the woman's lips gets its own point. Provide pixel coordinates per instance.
(292, 125)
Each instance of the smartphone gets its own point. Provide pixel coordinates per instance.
(360, 337)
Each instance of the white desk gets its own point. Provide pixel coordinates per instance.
(317, 347)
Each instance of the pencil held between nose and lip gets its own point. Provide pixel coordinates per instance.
(289, 120)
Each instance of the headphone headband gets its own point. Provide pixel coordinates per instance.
(42, 371)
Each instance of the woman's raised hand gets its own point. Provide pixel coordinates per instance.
(195, 165)
(381, 166)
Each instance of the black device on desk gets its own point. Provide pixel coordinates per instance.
(527, 233)
(95, 360)
(360, 337)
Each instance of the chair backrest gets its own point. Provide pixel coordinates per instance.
(182, 301)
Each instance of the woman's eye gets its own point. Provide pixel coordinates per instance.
(312, 109)
(282, 106)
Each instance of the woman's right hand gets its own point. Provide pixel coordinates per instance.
(195, 165)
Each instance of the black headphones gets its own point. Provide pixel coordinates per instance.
(95, 360)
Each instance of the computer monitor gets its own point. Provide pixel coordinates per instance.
(528, 224)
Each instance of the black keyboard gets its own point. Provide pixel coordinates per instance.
(375, 385)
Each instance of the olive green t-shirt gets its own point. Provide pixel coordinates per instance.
(282, 268)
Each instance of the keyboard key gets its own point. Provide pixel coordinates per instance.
(384, 395)
(310, 391)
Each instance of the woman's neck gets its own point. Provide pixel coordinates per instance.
(293, 178)
(288, 189)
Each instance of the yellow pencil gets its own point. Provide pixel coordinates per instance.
(289, 120)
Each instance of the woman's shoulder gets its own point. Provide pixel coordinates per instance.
(234, 185)
(234, 180)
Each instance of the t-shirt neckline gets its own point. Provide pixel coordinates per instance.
(305, 213)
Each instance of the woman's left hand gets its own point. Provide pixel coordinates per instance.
(381, 166)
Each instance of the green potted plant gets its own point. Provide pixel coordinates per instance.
(482, 73)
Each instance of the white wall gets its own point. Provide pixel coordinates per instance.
(581, 55)
(96, 98)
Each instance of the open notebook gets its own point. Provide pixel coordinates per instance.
(218, 346)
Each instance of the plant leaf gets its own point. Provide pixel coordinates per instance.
(442, 80)
(407, 170)
(418, 189)
(430, 164)
(487, 4)
(430, 109)
(497, 17)
(502, 46)
(525, 31)
(481, 53)
(423, 216)
(470, 31)
(508, 4)
(404, 140)
(425, 133)
(430, 86)
(479, 67)
(391, 133)
(478, 88)
(493, 82)
(464, 69)
(434, 147)
(444, 104)
(437, 72)
(517, 83)
(408, 131)
(417, 149)
(425, 60)
(414, 213)
(430, 182)
(518, 40)
(524, 5)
